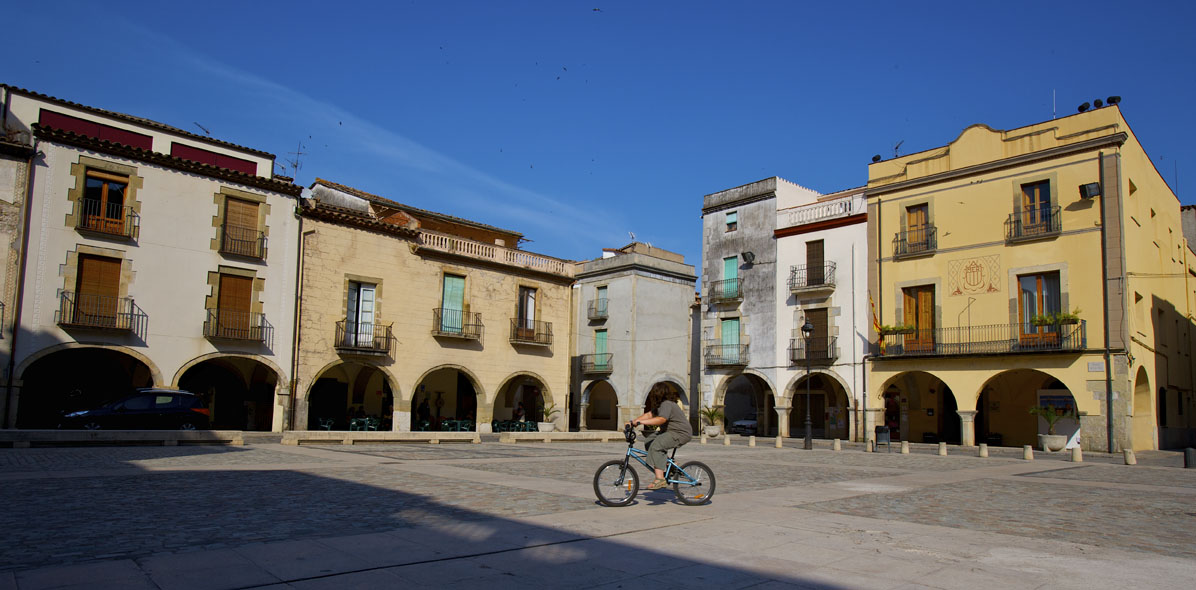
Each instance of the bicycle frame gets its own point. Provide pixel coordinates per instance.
(638, 455)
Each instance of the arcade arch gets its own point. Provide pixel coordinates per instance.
(77, 378)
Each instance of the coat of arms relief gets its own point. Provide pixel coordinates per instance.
(974, 276)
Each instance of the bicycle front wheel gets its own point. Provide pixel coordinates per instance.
(616, 484)
(700, 489)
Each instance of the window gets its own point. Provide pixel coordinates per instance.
(729, 349)
(815, 263)
(97, 292)
(195, 154)
(728, 288)
(601, 361)
(525, 313)
(240, 235)
(820, 339)
(234, 307)
(732, 220)
(103, 204)
(452, 305)
(1036, 212)
(359, 316)
(93, 129)
(1038, 297)
(918, 310)
(917, 226)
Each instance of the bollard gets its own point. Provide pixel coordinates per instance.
(905, 447)
(752, 440)
(837, 446)
(1077, 456)
(779, 443)
(1028, 453)
(727, 441)
(942, 449)
(1190, 458)
(983, 450)
(702, 440)
(1130, 459)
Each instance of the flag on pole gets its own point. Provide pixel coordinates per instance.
(880, 338)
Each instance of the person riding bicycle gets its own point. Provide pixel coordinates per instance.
(662, 409)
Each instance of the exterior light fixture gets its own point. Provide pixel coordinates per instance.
(1090, 190)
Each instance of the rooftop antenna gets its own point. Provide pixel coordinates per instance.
(1052, 104)
(897, 147)
(205, 129)
(295, 163)
(632, 234)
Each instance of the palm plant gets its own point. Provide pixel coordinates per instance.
(1052, 415)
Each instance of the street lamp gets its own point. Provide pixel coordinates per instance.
(807, 330)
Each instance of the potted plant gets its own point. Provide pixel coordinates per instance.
(714, 420)
(1051, 442)
(898, 329)
(1056, 319)
(546, 413)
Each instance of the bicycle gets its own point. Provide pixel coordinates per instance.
(616, 482)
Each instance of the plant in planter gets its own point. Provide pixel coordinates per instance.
(713, 418)
(1056, 319)
(547, 411)
(898, 329)
(1051, 442)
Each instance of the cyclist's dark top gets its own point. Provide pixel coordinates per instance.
(677, 423)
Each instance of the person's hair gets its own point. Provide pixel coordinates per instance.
(659, 394)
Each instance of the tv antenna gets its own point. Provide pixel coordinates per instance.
(632, 234)
(296, 163)
(205, 129)
(897, 147)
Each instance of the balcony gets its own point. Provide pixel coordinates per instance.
(726, 355)
(820, 350)
(804, 278)
(596, 363)
(531, 332)
(822, 212)
(363, 339)
(598, 309)
(454, 323)
(462, 247)
(99, 312)
(225, 324)
(242, 241)
(982, 340)
(1033, 224)
(726, 290)
(107, 219)
(915, 242)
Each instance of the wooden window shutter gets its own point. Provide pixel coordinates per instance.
(236, 293)
(99, 276)
(238, 213)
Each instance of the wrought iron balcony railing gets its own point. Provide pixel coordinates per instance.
(915, 242)
(102, 312)
(110, 219)
(454, 323)
(726, 355)
(983, 340)
(367, 338)
(242, 241)
(1032, 223)
(598, 309)
(812, 278)
(225, 324)
(597, 363)
(819, 349)
(726, 290)
(526, 331)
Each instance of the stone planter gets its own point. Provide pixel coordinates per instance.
(546, 426)
(1052, 443)
(713, 431)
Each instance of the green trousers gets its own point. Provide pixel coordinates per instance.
(658, 445)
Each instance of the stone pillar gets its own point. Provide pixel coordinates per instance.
(581, 417)
(484, 416)
(967, 427)
(872, 417)
(782, 422)
(853, 417)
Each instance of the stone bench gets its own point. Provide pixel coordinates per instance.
(43, 438)
(353, 437)
(586, 436)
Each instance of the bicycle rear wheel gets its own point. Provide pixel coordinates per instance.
(702, 488)
(615, 485)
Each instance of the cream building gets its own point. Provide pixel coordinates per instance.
(1043, 265)
(153, 257)
(403, 307)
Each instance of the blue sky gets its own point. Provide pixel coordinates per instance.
(576, 123)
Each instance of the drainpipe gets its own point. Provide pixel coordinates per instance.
(293, 386)
(20, 278)
(1104, 273)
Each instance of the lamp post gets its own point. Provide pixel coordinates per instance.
(807, 330)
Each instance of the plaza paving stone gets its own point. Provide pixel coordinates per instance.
(58, 459)
(1149, 476)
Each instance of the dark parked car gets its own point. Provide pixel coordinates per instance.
(148, 409)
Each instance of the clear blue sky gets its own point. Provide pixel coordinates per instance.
(576, 123)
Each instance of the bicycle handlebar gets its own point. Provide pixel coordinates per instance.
(629, 433)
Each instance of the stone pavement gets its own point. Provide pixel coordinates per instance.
(524, 516)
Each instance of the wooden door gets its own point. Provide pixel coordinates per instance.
(1036, 208)
(815, 263)
(919, 313)
(819, 348)
(97, 292)
(917, 225)
(233, 307)
(104, 202)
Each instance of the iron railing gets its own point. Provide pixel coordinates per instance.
(242, 241)
(110, 219)
(598, 309)
(913, 242)
(810, 278)
(455, 323)
(527, 331)
(363, 337)
(726, 355)
(225, 324)
(1, 320)
(818, 349)
(990, 339)
(597, 363)
(726, 290)
(1031, 223)
(103, 312)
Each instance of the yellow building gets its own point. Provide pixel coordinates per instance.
(1043, 265)
(423, 321)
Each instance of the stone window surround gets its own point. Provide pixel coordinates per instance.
(1015, 291)
(457, 271)
(220, 197)
(70, 269)
(79, 171)
(258, 286)
(539, 288)
(376, 282)
(899, 299)
(1051, 178)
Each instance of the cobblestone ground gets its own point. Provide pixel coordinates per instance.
(1141, 476)
(54, 459)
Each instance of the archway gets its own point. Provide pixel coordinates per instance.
(602, 411)
(239, 391)
(829, 405)
(920, 407)
(748, 400)
(76, 379)
(1144, 408)
(522, 397)
(345, 391)
(1003, 408)
(446, 398)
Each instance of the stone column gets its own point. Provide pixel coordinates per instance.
(967, 427)
(872, 417)
(581, 418)
(782, 422)
(853, 416)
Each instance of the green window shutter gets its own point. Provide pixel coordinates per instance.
(453, 304)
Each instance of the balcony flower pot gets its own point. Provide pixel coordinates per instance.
(887, 330)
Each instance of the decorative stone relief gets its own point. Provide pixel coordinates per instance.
(974, 276)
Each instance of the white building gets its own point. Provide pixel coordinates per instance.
(153, 257)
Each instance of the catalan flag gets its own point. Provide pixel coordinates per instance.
(880, 338)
